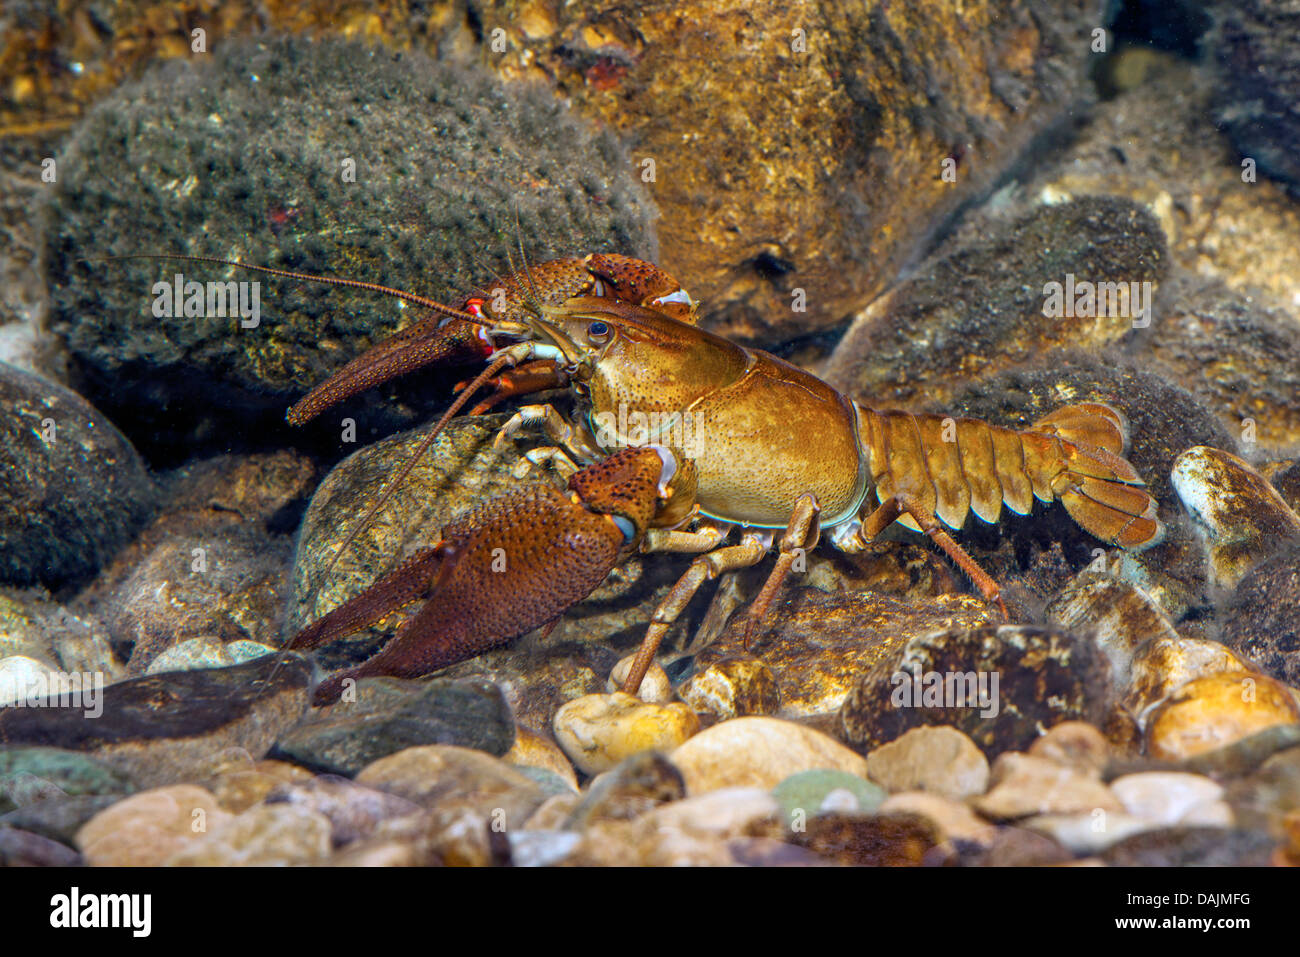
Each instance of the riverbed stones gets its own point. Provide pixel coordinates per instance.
(270, 835)
(1172, 797)
(448, 778)
(1163, 666)
(1023, 786)
(733, 687)
(69, 773)
(1261, 621)
(1074, 744)
(818, 791)
(819, 644)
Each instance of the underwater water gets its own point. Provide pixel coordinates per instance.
(697, 434)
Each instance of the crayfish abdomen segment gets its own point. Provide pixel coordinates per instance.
(957, 466)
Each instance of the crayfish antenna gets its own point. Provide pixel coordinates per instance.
(413, 298)
(534, 300)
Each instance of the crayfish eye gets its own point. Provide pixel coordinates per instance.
(598, 332)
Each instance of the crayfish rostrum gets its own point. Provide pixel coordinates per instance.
(678, 438)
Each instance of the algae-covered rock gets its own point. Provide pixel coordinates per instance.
(322, 156)
(74, 489)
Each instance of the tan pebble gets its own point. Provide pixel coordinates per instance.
(1167, 796)
(535, 750)
(376, 854)
(445, 776)
(240, 788)
(147, 828)
(600, 730)
(1211, 712)
(1089, 832)
(553, 813)
(1075, 744)
(955, 820)
(635, 843)
(938, 759)
(733, 688)
(655, 686)
(759, 752)
(727, 811)
(269, 835)
(1023, 786)
(535, 20)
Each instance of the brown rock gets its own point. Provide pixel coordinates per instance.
(1156, 144)
(1020, 847)
(1266, 797)
(694, 66)
(1120, 616)
(818, 643)
(1262, 619)
(637, 785)
(977, 307)
(1043, 676)
(244, 784)
(733, 687)
(160, 591)
(897, 839)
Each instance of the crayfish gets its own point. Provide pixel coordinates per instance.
(678, 437)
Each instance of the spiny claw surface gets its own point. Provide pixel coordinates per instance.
(502, 569)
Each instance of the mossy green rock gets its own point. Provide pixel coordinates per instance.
(71, 772)
(324, 156)
(807, 791)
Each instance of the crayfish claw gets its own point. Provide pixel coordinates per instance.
(515, 563)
